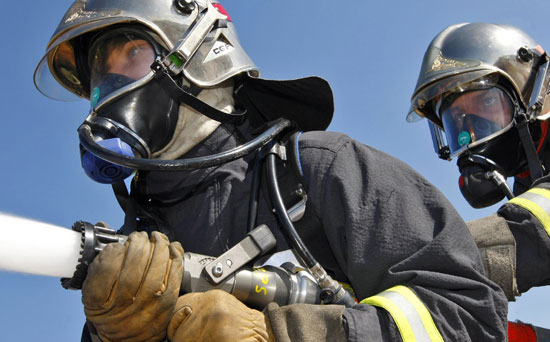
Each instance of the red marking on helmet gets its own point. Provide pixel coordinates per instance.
(222, 10)
(460, 182)
(519, 332)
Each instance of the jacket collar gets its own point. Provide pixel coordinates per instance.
(173, 186)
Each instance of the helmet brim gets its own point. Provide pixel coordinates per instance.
(423, 97)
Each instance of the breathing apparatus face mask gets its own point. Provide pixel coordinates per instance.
(137, 123)
(477, 119)
(475, 113)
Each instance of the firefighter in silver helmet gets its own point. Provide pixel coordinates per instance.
(484, 89)
(174, 96)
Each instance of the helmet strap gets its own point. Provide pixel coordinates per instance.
(543, 136)
(182, 95)
(533, 161)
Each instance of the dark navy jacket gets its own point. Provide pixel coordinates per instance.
(532, 242)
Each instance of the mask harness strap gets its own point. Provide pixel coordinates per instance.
(535, 104)
(121, 194)
(162, 74)
(533, 161)
(135, 218)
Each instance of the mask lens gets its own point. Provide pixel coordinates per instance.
(116, 60)
(473, 115)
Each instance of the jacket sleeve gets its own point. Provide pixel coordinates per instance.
(528, 216)
(406, 252)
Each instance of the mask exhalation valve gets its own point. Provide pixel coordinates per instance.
(103, 171)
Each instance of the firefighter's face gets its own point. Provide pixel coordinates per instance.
(491, 104)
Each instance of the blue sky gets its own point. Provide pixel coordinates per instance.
(370, 52)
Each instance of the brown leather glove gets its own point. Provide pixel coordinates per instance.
(131, 290)
(217, 316)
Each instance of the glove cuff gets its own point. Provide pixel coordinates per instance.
(306, 322)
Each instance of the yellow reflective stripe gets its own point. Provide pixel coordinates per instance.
(411, 316)
(540, 191)
(537, 202)
(422, 310)
(399, 316)
(539, 213)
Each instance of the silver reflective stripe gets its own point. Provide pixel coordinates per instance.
(537, 202)
(411, 316)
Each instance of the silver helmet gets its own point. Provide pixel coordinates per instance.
(487, 54)
(208, 54)
(465, 52)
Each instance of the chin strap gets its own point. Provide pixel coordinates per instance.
(543, 137)
(533, 161)
(178, 93)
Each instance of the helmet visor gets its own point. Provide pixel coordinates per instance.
(475, 115)
(117, 59)
(422, 99)
(57, 77)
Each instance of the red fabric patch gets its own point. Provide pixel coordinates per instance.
(519, 332)
(544, 131)
(222, 10)
(524, 174)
